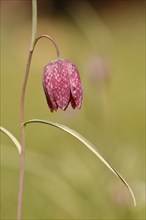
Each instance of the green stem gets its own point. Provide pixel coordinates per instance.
(51, 39)
(34, 23)
(22, 155)
(34, 40)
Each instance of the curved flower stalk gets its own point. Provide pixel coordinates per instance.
(74, 96)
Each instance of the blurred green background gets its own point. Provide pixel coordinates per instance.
(63, 179)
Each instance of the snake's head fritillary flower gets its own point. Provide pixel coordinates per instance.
(62, 85)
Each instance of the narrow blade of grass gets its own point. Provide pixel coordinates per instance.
(89, 145)
(11, 136)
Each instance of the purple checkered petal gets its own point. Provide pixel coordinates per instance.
(47, 85)
(61, 87)
(75, 85)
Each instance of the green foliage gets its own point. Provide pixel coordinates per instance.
(88, 144)
(11, 136)
(64, 180)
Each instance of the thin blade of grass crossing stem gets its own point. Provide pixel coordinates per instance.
(90, 146)
(11, 136)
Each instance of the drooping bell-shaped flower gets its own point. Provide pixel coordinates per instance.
(62, 85)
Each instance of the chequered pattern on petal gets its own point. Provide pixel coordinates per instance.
(62, 85)
(75, 84)
(47, 85)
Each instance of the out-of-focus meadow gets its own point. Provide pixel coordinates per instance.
(63, 179)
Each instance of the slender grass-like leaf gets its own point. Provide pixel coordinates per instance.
(89, 145)
(11, 136)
